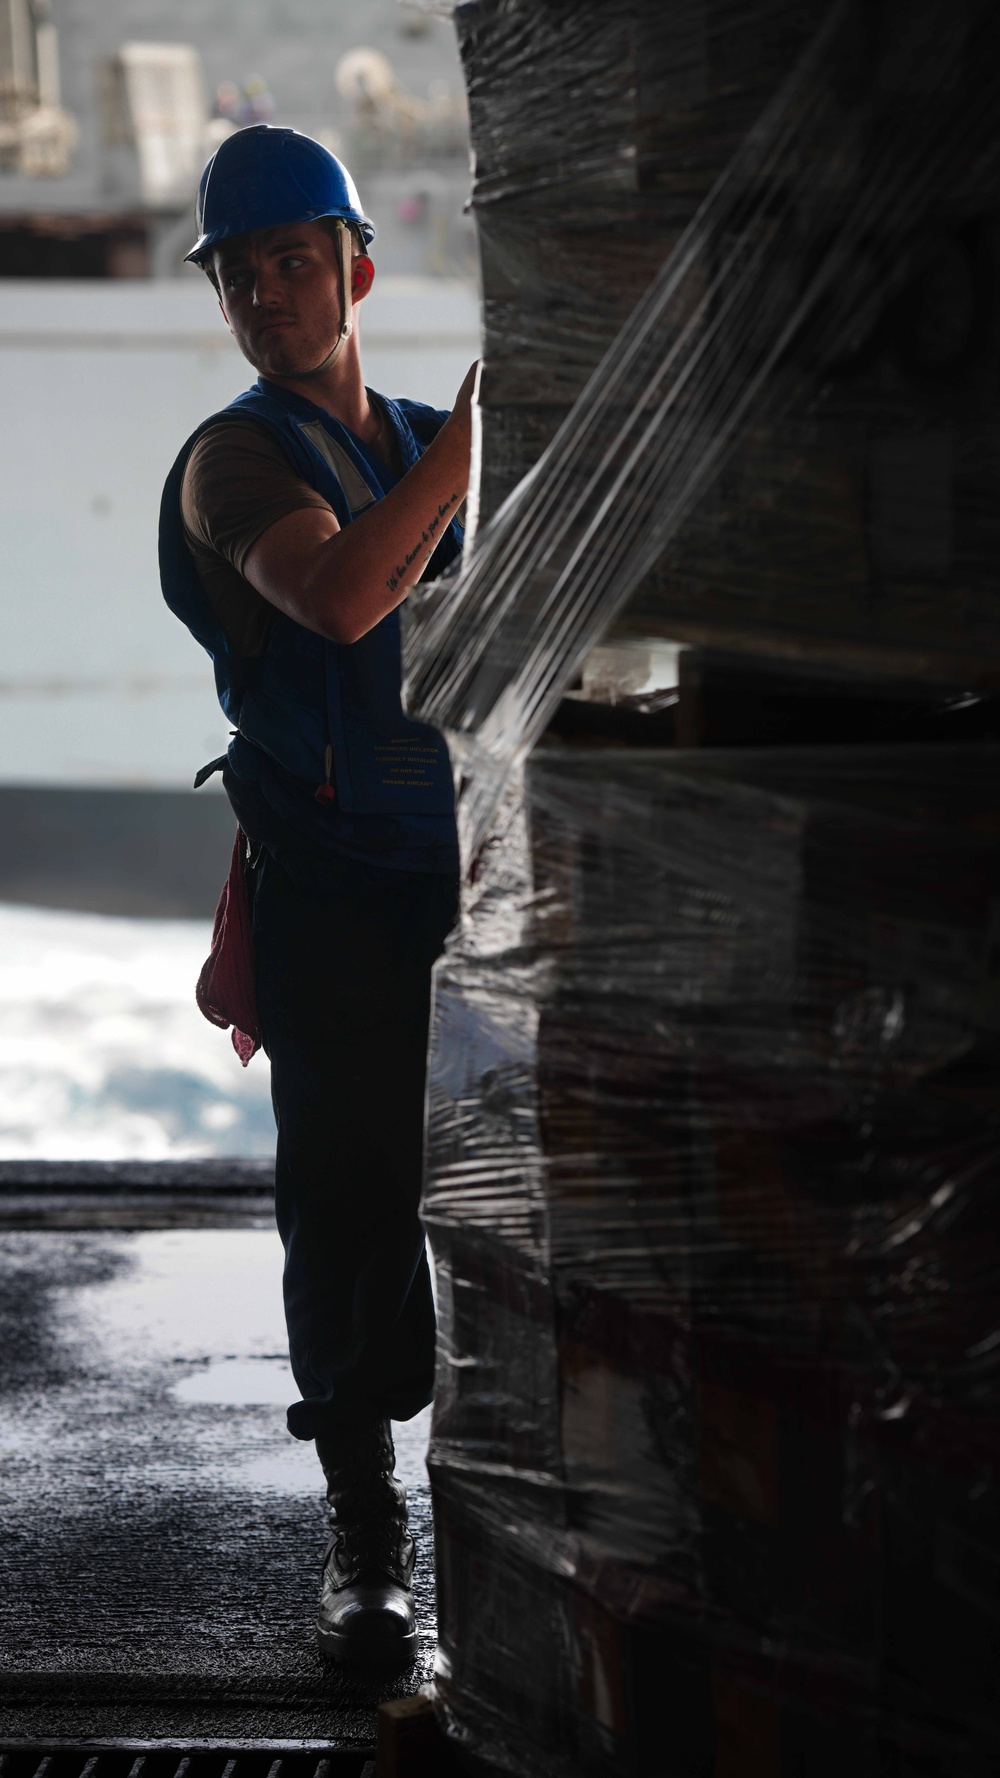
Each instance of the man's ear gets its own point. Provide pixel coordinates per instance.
(362, 277)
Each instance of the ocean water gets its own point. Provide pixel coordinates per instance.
(103, 1052)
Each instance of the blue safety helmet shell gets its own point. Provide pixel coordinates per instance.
(264, 176)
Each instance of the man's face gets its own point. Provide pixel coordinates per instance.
(280, 292)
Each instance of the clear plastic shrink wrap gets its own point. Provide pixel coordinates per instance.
(769, 236)
(714, 1134)
(714, 1100)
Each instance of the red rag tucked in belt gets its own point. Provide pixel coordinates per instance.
(226, 993)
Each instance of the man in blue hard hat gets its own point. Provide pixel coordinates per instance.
(293, 525)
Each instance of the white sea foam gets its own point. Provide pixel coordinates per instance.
(103, 1052)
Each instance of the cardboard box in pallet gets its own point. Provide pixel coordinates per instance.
(713, 1120)
(717, 989)
(822, 1571)
(858, 524)
(780, 881)
(553, 1676)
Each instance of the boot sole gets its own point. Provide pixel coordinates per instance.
(351, 1651)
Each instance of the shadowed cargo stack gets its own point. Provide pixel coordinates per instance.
(713, 1119)
(850, 254)
(713, 1140)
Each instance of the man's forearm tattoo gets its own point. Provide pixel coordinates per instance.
(420, 548)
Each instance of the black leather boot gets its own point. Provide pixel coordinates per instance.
(366, 1611)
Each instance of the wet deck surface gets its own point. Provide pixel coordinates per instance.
(161, 1532)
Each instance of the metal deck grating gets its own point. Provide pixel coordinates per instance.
(80, 1759)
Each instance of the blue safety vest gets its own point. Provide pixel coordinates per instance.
(306, 702)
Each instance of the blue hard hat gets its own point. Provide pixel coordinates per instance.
(263, 176)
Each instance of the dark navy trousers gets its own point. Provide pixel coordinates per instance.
(343, 995)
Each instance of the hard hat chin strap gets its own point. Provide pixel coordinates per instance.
(345, 257)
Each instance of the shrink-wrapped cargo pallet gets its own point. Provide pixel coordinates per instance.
(714, 1107)
(861, 518)
(712, 1174)
(739, 268)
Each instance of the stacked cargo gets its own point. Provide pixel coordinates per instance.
(714, 1112)
(861, 214)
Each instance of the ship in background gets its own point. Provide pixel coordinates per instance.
(112, 351)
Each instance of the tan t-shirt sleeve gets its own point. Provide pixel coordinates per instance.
(237, 483)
